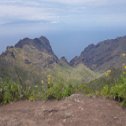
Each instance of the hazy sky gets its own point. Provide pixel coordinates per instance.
(70, 25)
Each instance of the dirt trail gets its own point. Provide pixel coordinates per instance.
(76, 110)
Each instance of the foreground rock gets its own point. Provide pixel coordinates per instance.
(76, 110)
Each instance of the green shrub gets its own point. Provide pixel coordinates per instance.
(9, 91)
(83, 88)
(54, 92)
(59, 91)
(7, 97)
(110, 87)
(116, 91)
(105, 91)
(68, 90)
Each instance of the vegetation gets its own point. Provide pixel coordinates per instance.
(117, 91)
(111, 85)
(11, 91)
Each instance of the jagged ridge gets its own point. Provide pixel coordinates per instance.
(31, 60)
(104, 55)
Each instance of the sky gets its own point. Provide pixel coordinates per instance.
(70, 25)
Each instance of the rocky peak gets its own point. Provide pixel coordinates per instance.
(64, 60)
(23, 42)
(75, 61)
(42, 44)
(37, 52)
(91, 46)
(104, 55)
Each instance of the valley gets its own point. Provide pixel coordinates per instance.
(38, 88)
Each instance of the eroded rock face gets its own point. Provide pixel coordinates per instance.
(42, 44)
(104, 55)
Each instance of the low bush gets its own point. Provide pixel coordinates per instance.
(111, 88)
(117, 91)
(9, 91)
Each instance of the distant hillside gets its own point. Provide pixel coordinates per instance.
(73, 75)
(104, 55)
(31, 60)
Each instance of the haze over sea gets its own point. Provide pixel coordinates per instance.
(70, 25)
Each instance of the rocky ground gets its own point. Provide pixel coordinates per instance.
(76, 110)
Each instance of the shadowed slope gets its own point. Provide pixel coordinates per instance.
(104, 55)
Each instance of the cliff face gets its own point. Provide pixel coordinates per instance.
(104, 55)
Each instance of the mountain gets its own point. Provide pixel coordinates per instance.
(42, 44)
(31, 60)
(63, 60)
(26, 60)
(32, 51)
(104, 55)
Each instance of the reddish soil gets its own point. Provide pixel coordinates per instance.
(76, 110)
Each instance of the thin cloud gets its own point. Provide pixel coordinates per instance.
(88, 2)
(59, 11)
(79, 2)
(11, 12)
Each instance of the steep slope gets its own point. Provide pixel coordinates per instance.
(104, 55)
(73, 75)
(31, 60)
(26, 61)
